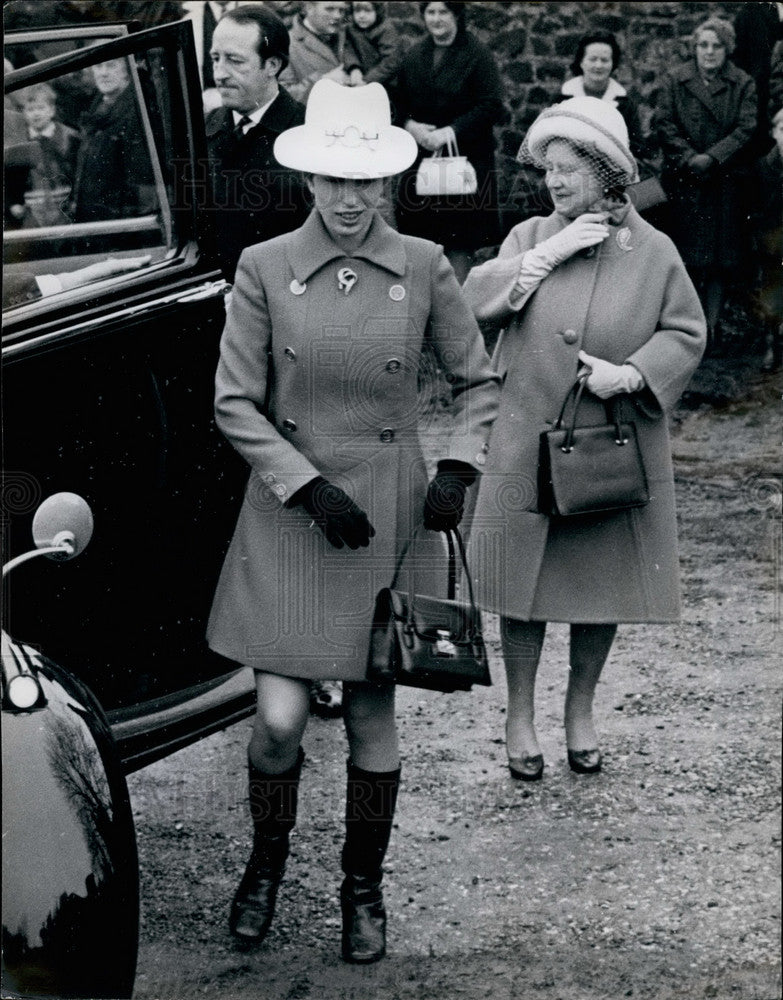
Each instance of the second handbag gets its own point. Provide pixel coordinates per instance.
(589, 470)
(440, 175)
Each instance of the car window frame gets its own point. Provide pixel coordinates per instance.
(191, 197)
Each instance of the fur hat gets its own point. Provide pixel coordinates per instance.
(594, 127)
(347, 133)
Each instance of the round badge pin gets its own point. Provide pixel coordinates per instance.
(396, 293)
(297, 288)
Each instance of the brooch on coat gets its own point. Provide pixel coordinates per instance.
(623, 239)
(346, 279)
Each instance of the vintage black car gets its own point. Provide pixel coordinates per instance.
(108, 384)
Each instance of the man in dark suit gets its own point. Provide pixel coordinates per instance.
(256, 198)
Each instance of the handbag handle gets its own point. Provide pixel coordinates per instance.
(475, 618)
(577, 390)
(451, 147)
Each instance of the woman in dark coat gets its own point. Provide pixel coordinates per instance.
(317, 389)
(448, 87)
(591, 285)
(704, 120)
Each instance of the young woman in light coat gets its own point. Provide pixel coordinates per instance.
(593, 285)
(317, 388)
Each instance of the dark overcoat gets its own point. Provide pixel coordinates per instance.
(463, 91)
(692, 117)
(630, 300)
(313, 381)
(114, 177)
(255, 197)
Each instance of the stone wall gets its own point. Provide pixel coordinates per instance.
(534, 44)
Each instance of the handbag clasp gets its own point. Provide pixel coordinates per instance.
(443, 644)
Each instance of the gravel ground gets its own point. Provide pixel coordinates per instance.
(659, 878)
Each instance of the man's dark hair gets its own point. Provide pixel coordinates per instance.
(272, 32)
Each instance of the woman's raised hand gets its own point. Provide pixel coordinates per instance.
(585, 231)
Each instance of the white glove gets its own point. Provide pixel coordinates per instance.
(606, 379)
(586, 231)
(537, 263)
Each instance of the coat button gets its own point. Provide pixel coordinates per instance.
(280, 490)
(290, 425)
(270, 478)
(290, 353)
(387, 435)
(392, 365)
(570, 336)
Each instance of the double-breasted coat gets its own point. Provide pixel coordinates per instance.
(718, 119)
(628, 300)
(316, 381)
(462, 90)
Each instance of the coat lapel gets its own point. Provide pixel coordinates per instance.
(310, 248)
(712, 96)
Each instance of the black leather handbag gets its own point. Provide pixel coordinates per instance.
(588, 470)
(428, 642)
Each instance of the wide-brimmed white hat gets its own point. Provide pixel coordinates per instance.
(591, 124)
(347, 133)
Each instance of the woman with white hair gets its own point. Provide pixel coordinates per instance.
(317, 388)
(704, 121)
(590, 287)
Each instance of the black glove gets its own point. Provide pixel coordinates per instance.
(445, 501)
(342, 521)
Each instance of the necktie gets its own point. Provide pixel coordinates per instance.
(241, 125)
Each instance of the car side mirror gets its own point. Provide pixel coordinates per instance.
(62, 528)
(64, 524)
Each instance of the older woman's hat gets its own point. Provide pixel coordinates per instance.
(593, 126)
(347, 132)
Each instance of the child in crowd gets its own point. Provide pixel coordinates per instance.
(369, 25)
(53, 162)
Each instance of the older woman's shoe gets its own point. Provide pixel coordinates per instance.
(527, 768)
(585, 761)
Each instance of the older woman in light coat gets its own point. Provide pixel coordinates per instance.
(317, 388)
(592, 285)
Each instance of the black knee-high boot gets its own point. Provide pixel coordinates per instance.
(273, 801)
(371, 798)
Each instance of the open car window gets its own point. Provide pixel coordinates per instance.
(90, 152)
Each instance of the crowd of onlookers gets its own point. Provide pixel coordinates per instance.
(709, 157)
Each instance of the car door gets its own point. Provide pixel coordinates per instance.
(112, 314)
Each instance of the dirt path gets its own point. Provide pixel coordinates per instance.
(657, 879)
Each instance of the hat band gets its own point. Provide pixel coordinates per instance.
(554, 111)
(351, 137)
